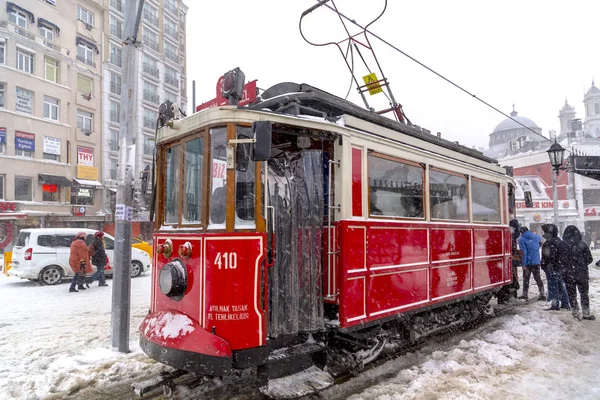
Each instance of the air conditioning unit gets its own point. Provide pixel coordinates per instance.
(88, 26)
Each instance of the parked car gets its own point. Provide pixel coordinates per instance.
(140, 244)
(43, 254)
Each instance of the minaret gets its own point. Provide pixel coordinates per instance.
(565, 115)
(591, 101)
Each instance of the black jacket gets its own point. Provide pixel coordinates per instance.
(100, 257)
(579, 256)
(554, 250)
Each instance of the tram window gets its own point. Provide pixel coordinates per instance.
(172, 185)
(396, 189)
(244, 182)
(448, 195)
(485, 203)
(218, 197)
(193, 181)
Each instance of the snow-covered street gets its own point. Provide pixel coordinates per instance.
(55, 345)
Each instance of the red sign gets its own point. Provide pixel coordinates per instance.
(7, 206)
(49, 188)
(248, 97)
(590, 212)
(540, 204)
(85, 156)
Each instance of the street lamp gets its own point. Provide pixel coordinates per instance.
(556, 153)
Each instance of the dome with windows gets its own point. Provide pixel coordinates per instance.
(510, 124)
(513, 135)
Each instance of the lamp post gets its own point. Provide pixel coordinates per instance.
(556, 153)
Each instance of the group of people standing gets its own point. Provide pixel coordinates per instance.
(565, 262)
(81, 259)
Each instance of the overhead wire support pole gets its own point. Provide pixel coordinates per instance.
(121, 291)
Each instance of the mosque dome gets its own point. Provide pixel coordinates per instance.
(510, 124)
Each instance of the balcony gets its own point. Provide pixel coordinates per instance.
(87, 61)
(148, 41)
(114, 116)
(170, 32)
(116, 5)
(171, 55)
(171, 80)
(115, 88)
(116, 31)
(10, 27)
(150, 69)
(150, 96)
(25, 33)
(151, 18)
(149, 122)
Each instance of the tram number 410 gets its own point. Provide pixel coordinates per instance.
(226, 260)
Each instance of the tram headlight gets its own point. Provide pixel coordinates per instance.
(173, 280)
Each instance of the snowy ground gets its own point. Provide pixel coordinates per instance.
(55, 345)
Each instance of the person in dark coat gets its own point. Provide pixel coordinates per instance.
(553, 263)
(511, 289)
(576, 274)
(98, 252)
(529, 243)
(79, 261)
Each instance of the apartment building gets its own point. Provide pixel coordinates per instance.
(50, 113)
(162, 77)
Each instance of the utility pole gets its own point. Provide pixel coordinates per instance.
(121, 291)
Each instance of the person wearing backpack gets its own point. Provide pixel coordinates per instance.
(529, 243)
(554, 260)
(576, 274)
(98, 253)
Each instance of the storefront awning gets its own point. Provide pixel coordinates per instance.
(85, 182)
(53, 180)
(11, 216)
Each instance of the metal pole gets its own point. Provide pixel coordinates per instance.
(555, 198)
(121, 291)
(193, 96)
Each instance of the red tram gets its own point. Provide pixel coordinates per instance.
(304, 228)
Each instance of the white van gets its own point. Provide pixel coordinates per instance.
(43, 254)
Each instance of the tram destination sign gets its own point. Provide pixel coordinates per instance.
(248, 97)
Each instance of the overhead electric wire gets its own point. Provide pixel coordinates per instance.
(341, 15)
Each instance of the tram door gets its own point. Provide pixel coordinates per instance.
(296, 192)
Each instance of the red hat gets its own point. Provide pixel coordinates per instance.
(99, 234)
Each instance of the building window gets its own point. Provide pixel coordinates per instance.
(24, 101)
(148, 146)
(170, 96)
(18, 18)
(171, 51)
(151, 14)
(2, 140)
(50, 108)
(151, 93)
(50, 193)
(117, 5)
(597, 108)
(2, 94)
(150, 39)
(24, 144)
(84, 85)
(2, 52)
(116, 27)
(24, 61)
(85, 16)
(47, 33)
(115, 83)
(2, 187)
(115, 55)
(150, 117)
(51, 70)
(150, 66)
(171, 77)
(23, 189)
(170, 27)
(170, 6)
(114, 140)
(85, 53)
(115, 112)
(113, 169)
(85, 122)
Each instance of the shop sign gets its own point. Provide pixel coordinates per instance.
(49, 188)
(541, 204)
(24, 141)
(248, 96)
(537, 217)
(87, 173)
(84, 192)
(24, 101)
(85, 156)
(2, 135)
(590, 212)
(7, 206)
(51, 145)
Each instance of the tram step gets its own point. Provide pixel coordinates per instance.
(310, 380)
(290, 360)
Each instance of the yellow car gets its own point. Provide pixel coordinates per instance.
(140, 244)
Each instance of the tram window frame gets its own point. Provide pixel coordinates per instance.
(222, 225)
(466, 195)
(386, 157)
(201, 203)
(177, 165)
(245, 132)
(498, 198)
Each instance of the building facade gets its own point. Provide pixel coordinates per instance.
(50, 112)
(162, 63)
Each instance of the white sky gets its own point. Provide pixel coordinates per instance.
(533, 53)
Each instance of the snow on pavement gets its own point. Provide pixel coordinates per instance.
(535, 354)
(54, 343)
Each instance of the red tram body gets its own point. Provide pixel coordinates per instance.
(358, 230)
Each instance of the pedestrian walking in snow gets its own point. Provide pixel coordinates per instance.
(576, 274)
(98, 253)
(511, 289)
(529, 243)
(553, 263)
(79, 261)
